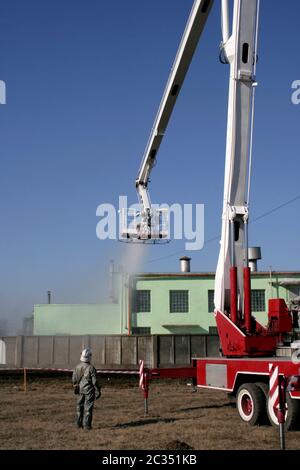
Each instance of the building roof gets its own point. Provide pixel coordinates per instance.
(212, 274)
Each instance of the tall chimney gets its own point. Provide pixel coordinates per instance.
(254, 254)
(185, 264)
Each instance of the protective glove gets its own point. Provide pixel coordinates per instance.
(98, 394)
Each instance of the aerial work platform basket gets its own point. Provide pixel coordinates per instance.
(137, 226)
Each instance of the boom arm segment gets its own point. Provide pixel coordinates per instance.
(240, 51)
(191, 36)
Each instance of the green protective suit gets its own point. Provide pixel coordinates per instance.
(85, 376)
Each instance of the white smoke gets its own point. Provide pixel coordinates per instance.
(133, 257)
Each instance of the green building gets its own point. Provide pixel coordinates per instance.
(160, 303)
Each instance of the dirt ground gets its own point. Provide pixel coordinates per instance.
(43, 418)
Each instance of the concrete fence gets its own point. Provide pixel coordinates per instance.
(109, 352)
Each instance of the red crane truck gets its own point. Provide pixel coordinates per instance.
(248, 350)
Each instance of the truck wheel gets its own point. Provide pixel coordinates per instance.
(251, 403)
(265, 389)
(292, 417)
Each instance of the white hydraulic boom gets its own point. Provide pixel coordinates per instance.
(187, 47)
(238, 49)
(152, 224)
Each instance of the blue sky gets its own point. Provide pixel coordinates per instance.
(84, 80)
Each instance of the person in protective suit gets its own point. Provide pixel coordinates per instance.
(87, 388)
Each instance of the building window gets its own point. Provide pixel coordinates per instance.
(141, 330)
(142, 301)
(179, 301)
(258, 300)
(210, 298)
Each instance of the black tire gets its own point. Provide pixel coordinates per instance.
(292, 421)
(292, 418)
(251, 404)
(265, 389)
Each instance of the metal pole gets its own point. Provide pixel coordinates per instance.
(25, 380)
(282, 410)
(271, 283)
(129, 306)
(146, 392)
(146, 403)
(281, 434)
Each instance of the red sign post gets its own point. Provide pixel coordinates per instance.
(278, 399)
(144, 384)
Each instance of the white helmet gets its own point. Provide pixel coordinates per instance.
(86, 355)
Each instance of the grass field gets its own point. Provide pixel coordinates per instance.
(43, 418)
